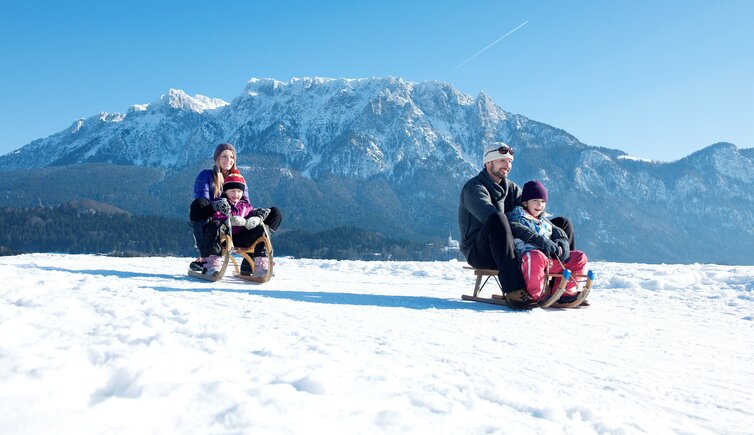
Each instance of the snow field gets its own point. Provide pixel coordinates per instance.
(93, 344)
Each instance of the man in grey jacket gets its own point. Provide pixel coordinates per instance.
(486, 239)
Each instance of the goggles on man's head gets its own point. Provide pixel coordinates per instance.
(505, 149)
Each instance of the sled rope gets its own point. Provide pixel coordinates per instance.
(570, 277)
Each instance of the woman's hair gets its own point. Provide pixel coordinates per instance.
(218, 177)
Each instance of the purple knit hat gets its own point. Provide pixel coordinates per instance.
(534, 190)
(222, 147)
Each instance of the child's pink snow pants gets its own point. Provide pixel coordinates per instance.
(533, 266)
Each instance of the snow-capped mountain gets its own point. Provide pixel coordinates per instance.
(349, 127)
(391, 155)
(156, 134)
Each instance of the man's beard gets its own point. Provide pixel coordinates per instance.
(500, 173)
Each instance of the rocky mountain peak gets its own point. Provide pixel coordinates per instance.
(372, 145)
(179, 100)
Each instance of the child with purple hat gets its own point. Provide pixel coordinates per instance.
(541, 246)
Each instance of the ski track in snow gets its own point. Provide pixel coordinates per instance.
(92, 344)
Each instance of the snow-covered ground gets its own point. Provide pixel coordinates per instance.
(92, 344)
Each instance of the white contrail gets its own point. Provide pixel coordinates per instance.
(487, 47)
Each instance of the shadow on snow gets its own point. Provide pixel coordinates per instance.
(116, 273)
(357, 299)
(317, 297)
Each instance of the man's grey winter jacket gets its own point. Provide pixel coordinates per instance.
(480, 198)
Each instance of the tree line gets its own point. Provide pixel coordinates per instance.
(350, 243)
(74, 229)
(95, 228)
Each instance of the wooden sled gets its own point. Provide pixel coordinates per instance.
(228, 250)
(483, 276)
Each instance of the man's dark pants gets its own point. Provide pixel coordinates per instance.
(494, 249)
(565, 225)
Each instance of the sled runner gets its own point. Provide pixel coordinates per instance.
(228, 250)
(483, 276)
(226, 241)
(247, 253)
(581, 298)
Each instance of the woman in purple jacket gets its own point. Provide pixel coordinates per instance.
(208, 190)
(208, 199)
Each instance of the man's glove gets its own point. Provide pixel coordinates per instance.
(237, 221)
(222, 206)
(564, 250)
(261, 212)
(253, 222)
(547, 246)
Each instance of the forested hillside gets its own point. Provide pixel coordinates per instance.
(88, 227)
(95, 228)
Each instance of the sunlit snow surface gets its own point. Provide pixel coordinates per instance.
(94, 344)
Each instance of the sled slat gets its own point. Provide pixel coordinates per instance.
(492, 300)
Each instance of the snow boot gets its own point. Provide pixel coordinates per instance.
(198, 265)
(519, 299)
(261, 266)
(567, 299)
(214, 263)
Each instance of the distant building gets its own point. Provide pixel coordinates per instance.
(452, 244)
(452, 249)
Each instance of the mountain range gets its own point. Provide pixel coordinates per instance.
(390, 156)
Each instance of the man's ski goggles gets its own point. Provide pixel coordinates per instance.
(505, 149)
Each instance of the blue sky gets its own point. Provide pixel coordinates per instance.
(658, 80)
